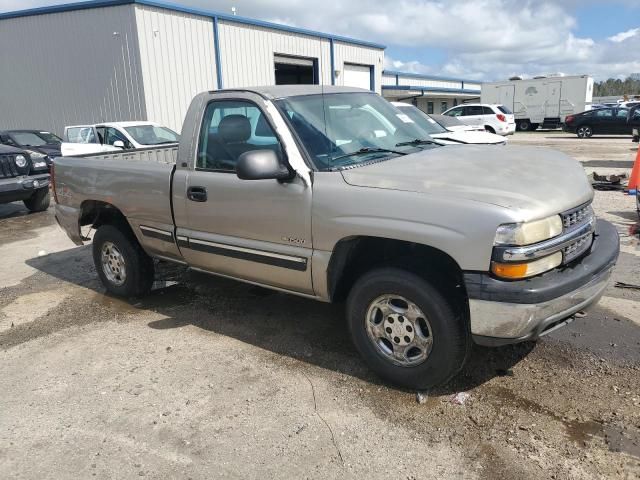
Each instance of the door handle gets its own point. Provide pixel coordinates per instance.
(197, 194)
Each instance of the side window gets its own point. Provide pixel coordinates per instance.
(100, 131)
(472, 110)
(604, 112)
(229, 129)
(487, 111)
(455, 112)
(623, 113)
(81, 135)
(111, 135)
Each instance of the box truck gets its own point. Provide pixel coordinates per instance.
(542, 101)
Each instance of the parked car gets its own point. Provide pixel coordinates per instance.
(114, 136)
(603, 121)
(40, 144)
(634, 123)
(330, 193)
(443, 135)
(496, 119)
(23, 179)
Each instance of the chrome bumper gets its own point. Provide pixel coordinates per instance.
(516, 322)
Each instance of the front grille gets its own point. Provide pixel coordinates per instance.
(572, 220)
(576, 217)
(8, 167)
(573, 251)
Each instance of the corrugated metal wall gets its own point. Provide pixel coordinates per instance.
(178, 61)
(420, 82)
(349, 53)
(388, 80)
(69, 68)
(247, 53)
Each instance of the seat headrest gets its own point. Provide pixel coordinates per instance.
(235, 129)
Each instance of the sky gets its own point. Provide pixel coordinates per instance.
(475, 39)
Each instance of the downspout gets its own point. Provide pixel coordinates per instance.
(216, 46)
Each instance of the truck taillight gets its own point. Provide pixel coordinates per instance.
(53, 182)
(501, 117)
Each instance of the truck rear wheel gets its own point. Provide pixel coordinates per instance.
(406, 330)
(123, 267)
(39, 201)
(524, 125)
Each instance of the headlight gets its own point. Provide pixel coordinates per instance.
(21, 161)
(517, 271)
(527, 233)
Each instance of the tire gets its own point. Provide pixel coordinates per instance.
(489, 129)
(584, 131)
(525, 125)
(127, 271)
(446, 326)
(39, 201)
(534, 126)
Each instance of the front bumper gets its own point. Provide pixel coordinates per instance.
(20, 188)
(510, 312)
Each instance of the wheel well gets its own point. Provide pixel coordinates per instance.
(490, 128)
(97, 213)
(353, 257)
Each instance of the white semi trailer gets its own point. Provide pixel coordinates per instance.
(542, 101)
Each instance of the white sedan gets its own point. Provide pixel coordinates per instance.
(115, 136)
(451, 134)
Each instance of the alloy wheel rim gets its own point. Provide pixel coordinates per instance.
(399, 330)
(113, 264)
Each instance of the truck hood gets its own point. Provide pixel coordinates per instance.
(533, 180)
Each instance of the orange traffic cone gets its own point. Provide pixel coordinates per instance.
(634, 179)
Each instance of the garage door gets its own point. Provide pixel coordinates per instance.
(357, 76)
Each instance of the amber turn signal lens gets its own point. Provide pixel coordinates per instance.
(509, 270)
(516, 271)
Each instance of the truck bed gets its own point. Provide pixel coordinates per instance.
(137, 182)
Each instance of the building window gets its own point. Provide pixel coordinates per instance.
(443, 107)
(295, 70)
(455, 102)
(429, 107)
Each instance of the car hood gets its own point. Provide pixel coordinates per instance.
(470, 136)
(535, 181)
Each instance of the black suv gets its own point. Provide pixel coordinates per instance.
(23, 179)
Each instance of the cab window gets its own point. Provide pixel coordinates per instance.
(229, 129)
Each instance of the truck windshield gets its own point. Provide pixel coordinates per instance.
(423, 120)
(34, 139)
(152, 135)
(343, 129)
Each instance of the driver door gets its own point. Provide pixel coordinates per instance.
(255, 230)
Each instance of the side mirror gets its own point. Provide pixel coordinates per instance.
(118, 144)
(261, 165)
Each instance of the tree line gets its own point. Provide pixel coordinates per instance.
(615, 86)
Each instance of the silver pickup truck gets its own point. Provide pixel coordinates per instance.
(332, 193)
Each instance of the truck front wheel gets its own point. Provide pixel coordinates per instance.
(39, 201)
(123, 267)
(406, 330)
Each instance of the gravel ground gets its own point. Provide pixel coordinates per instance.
(213, 378)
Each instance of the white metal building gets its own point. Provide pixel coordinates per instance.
(430, 93)
(116, 60)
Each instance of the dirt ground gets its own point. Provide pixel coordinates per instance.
(209, 378)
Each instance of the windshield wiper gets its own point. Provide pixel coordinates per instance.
(366, 150)
(417, 141)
